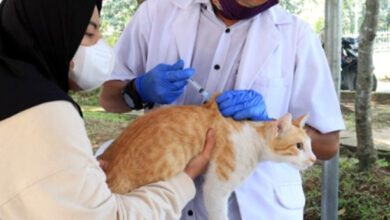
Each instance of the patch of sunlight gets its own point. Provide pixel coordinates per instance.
(92, 108)
(381, 141)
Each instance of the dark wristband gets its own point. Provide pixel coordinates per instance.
(129, 91)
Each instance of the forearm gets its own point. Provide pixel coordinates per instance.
(161, 200)
(82, 193)
(71, 186)
(325, 146)
(111, 97)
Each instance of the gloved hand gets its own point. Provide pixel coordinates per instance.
(164, 83)
(242, 104)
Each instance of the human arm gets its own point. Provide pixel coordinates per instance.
(135, 59)
(314, 93)
(162, 85)
(324, 146)
(57, 173)
(111, 97)
(130, 61)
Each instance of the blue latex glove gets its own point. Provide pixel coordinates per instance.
(243, 104)
(164, 83)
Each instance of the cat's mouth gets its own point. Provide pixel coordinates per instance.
(303, 166)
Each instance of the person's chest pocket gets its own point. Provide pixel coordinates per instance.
(276, 93)
(288, 191)
(290, 196)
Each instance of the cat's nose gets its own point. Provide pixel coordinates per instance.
(312, 158)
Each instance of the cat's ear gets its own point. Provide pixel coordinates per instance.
(283, 123)
(301, 120)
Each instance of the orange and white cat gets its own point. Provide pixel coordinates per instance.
(159, 144)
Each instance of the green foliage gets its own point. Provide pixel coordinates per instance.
(312, 187)
(115, 15)
(362, 195)
(384, 16)
(294, 6)
(352, 15)
(382, 163)
(353, 12)
(319, 25)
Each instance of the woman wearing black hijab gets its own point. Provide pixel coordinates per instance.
(47, 167)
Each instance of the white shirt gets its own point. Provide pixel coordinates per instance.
(282, 59)
(217, 53)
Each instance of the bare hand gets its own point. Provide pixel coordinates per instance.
(199, 163)
(103, 164)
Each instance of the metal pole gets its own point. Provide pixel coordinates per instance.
(330, 170)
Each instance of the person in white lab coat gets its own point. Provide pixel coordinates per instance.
(265, 61)
(47, 168)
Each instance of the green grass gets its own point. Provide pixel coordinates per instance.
(362, 195)
(96, 113)
(101, 126)
(87, 98)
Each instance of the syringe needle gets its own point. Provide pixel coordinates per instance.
(200, 90)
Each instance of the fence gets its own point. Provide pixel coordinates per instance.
(382, 42)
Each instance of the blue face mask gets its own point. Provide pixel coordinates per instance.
(234, 11)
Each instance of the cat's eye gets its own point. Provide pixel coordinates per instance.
(300, 146)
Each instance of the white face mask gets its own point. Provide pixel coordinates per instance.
(92, 65)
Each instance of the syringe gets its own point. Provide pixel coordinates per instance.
(200, 90)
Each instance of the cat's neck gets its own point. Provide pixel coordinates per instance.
(262, 145)
(250, 144)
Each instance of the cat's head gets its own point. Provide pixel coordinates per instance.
(289, 142)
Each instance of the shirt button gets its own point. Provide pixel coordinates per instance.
(227, 30)
(217, 67)
(190, 213)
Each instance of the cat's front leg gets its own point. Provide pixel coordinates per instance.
(216, 194)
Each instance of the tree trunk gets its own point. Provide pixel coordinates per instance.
(365, 152)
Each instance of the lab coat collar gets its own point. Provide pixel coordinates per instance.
(262, 40)
(279, 16)
(185, 31)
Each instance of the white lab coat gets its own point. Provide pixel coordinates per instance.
(282, 59)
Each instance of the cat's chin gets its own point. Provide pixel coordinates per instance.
(302, 167)
(305, 168)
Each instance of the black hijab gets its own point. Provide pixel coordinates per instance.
(38, 39)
